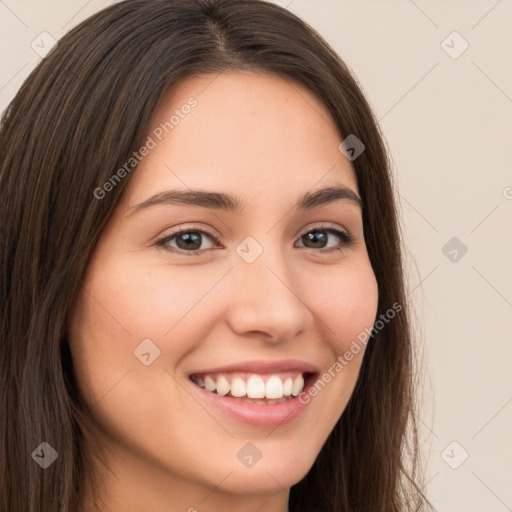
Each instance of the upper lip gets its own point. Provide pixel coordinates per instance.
(259, 366)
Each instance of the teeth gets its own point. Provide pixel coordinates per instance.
(238, 387)
(255, 389)
(287, 387)
(274, 388)
(298, 385)
(222, 386)
(209, 384)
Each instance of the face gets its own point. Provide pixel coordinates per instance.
(189, 300)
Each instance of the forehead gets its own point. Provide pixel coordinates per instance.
(258, 134)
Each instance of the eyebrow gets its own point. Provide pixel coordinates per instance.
(222, 201)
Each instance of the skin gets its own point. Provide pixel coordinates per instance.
(267, 140)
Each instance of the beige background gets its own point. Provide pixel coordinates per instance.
(448, 123)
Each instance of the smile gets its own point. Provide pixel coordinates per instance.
(254, 388)
(261, 394)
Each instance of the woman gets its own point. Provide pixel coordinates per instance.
(202, 295)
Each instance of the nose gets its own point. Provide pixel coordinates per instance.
(266, 299)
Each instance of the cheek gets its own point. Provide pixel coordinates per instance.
(346, 302)
(123, 303)
(134, 300)
(127, 301)
(346, 305)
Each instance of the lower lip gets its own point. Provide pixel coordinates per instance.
(259, 415)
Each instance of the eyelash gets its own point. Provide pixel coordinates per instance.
(347, 239)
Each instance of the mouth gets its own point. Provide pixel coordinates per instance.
(274, 388)
(258, 393)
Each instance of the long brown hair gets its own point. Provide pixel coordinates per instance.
(76, 119)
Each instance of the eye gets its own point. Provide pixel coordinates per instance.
(318, 238)
(189, 242)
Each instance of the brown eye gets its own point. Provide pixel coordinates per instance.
(318, 238)
(187, 242)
